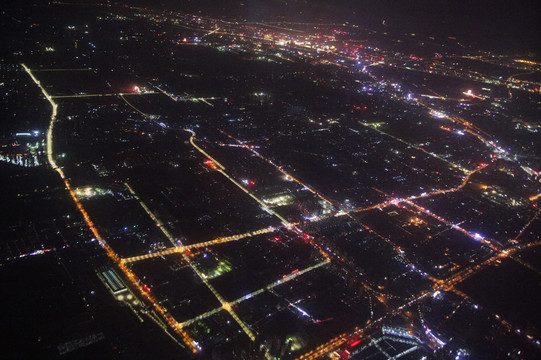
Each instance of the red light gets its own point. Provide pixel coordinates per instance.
(252, 182)
(355, 343)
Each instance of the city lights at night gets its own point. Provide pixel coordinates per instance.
(271, 180)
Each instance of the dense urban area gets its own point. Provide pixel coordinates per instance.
(178, 185)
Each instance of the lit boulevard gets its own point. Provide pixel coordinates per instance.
(93, 95)
(180, 249)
